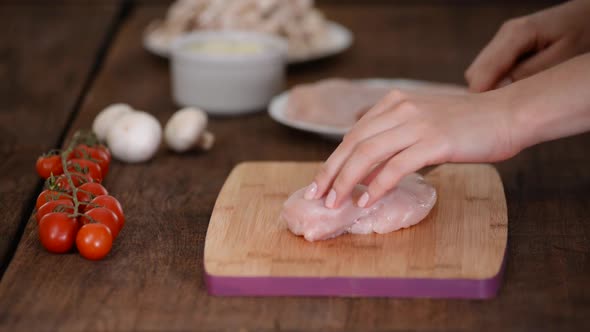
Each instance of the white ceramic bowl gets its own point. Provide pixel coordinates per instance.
(227, 83)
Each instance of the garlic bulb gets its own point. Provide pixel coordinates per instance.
(107, 117)
(135, 137)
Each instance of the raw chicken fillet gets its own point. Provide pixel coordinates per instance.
(404, 206)
(340, 102)
(333, 102)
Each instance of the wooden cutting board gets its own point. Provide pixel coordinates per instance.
(458, 251)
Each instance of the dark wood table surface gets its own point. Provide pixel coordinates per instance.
(63, 61)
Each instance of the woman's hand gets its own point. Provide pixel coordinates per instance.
(407, 131)
(527, 45)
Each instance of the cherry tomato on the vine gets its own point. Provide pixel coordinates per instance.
(48, 165)
(85, 166)
(105, 150)
(102, 216)
(50, 195)
(57, 232)
(60, 205)
(110, 203)
(97, 155)
(94, 241)
(88, 191)
(63, 184)
(90, 218)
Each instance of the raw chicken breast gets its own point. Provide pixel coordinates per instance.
(332, 102)
(340, 102)
(404, 206)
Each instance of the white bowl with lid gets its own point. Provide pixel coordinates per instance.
(227, 72)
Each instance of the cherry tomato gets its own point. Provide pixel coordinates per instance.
(94, 241)
(60, 205)
(110, 203)
(97, 155)
(103, 216)
(86, 167)
(105, 150)
(50, 195)
(57, 232)
(88, 191)
(62, 183)
(46, 166)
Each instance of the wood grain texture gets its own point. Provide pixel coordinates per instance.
(153, 279)
(463, 237)
(44, 63)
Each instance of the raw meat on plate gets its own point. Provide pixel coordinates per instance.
(332, 102)
(340, 103)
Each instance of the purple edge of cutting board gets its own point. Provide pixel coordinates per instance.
(356, 287)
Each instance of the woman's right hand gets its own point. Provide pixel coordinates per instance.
(527, 45)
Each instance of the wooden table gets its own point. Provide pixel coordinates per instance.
(62, 62)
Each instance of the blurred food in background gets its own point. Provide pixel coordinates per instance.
(298, 21)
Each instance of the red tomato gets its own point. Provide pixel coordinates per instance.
(60, 205)
(88, 191)
(46, 166)
(85, 166)
(110, 203)
(94, 241)
(97, 155)
(50, 195)
(103, 216)
(57, 232)
(105, 150)
(62, 183)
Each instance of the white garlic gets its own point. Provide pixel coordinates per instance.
(135, 137)
(107, 117)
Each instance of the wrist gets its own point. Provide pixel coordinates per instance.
(515, 115)
(552, 104)
(524, 118)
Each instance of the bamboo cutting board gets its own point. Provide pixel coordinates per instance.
(458, 251)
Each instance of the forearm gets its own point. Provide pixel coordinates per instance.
(552, 104)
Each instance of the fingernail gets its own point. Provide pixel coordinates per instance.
(331, 199)
(310, 192)
(363, 200)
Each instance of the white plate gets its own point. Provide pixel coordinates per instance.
(278, 106)
(341, 39)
